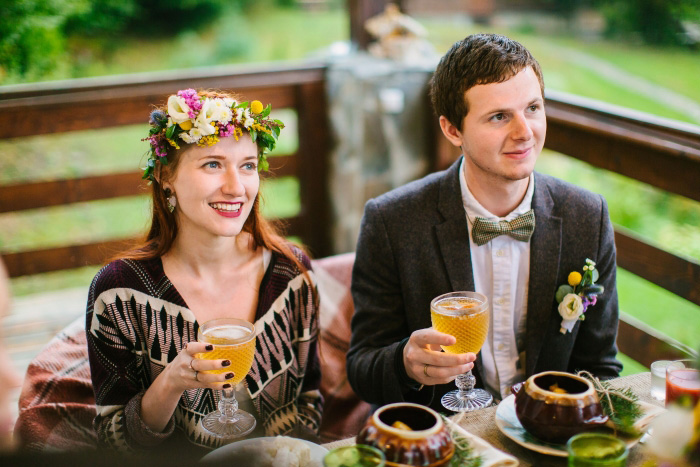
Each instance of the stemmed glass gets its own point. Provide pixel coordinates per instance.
(233, 339)
(464, 315)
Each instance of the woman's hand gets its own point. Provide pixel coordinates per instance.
(187, 372)
(184, 372)
(427, 364)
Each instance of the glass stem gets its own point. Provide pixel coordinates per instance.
(228, 406)
(465, 383)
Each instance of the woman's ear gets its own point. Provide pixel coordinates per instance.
(451, 132)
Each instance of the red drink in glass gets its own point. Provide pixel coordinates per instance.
(682, 380)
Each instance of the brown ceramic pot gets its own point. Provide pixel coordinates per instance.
(429, 444)
(555, 417)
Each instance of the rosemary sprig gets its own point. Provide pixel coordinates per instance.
(464, 454)
(620, 405)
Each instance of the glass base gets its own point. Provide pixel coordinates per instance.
(474, 400)
(223, 428)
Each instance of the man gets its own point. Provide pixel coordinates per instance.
(418, 242)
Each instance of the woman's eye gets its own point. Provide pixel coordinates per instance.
(250, 166)
(211, 165)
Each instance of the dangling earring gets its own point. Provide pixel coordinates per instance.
(172, 201)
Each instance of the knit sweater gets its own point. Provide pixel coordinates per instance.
(137, 323)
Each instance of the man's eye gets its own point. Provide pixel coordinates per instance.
(498, 117)
(534, 107)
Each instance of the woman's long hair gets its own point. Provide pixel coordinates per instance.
(163, 229)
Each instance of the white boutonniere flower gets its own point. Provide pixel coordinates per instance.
(577, 295)
(205, 118)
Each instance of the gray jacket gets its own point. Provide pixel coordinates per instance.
(414, 246)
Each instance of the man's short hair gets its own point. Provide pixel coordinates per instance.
(477, 59)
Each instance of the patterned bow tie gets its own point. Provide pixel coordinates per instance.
(520, 228)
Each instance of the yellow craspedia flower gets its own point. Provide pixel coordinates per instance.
(256, 107)
(186, 125)
(574, 279)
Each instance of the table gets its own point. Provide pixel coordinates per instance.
(482, 423)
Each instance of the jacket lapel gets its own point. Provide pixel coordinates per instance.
(452, 234)
(545, 249)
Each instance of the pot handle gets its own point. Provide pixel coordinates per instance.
(517, 387)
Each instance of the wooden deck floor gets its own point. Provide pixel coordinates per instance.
(35, 319)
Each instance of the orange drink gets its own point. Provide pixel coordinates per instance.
(465, 318)
(232, 342)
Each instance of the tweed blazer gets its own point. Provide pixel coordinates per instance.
(414, 246)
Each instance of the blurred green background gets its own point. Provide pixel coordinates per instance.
(623, 60)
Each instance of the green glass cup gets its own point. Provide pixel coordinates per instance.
(357, 455)
(596, 450)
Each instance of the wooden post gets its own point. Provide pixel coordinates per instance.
(314, 157)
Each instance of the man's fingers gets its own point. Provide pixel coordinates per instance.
(428, 336)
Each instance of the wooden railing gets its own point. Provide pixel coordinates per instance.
(109, 102)
(661, 153)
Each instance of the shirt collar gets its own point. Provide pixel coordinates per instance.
(475, 209)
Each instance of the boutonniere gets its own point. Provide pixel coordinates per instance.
(575, 297)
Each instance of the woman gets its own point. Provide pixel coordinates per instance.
(209, 254)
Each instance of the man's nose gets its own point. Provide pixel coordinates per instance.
(521, 128)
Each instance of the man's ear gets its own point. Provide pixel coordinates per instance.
(450, 131)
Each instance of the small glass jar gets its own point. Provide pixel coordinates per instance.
(596, 450)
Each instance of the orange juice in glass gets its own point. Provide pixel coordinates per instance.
(464, 315)
(233, 339)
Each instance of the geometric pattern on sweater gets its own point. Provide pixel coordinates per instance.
(137, 323)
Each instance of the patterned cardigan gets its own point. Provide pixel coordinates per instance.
(137, 322)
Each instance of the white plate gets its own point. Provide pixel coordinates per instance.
(508, 423)
(245, 452)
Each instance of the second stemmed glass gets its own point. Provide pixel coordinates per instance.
(233, 339)
(464, 315)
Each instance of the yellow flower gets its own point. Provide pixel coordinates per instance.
(186, 125)
(208, 140)
(237, 133)
(173, 143)
(256, 107)
(574, 279)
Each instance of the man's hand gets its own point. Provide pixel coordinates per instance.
(423, 348)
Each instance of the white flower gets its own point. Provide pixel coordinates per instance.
(248, 122)
(206, 117)
(673, 431)
(178, 110)
(220, 111)
(570, 308)
(191, 136)
(230, 102)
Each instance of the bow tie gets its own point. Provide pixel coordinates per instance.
(520, 228)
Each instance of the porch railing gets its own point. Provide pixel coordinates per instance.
(658, 152)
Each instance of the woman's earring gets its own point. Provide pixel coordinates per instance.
(172, 202)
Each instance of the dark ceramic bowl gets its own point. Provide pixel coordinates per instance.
(429, 444)
(555, 417)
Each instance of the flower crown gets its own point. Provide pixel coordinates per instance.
(196, 118)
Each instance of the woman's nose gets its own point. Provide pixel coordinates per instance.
(233, 185)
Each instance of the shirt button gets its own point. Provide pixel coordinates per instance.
(501, 346)
(500, 253)
(501, 301)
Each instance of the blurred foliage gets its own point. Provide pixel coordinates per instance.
(654, 22)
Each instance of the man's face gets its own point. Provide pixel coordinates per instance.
(504, 129)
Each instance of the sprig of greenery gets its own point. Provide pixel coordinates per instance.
(464, 454)
(621, 405)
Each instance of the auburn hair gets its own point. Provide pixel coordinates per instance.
(163, 229)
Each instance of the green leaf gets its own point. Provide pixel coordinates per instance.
(595, 275)
(267, 138)
(593, 289)
(264, 164)
(562, 291)
(242, 105)
(266, 111)
(170, 131)
(275, 131)
(254, 135)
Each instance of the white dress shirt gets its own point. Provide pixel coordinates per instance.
(501, 270)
